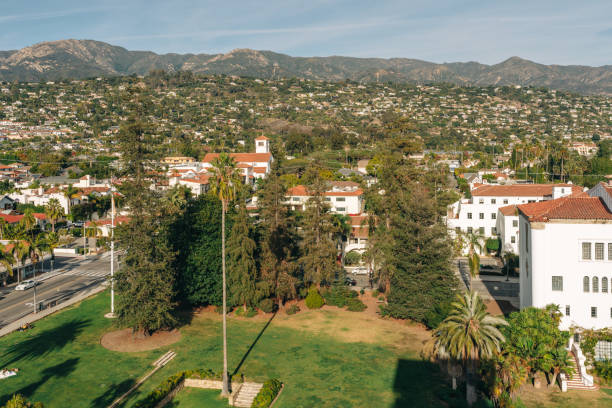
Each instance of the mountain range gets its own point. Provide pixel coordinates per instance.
(87, 58)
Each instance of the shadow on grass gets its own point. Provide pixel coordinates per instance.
(252, 346)
(45, 342)
(113, 392)
(420, 383)
(57, 371)
(184, 316)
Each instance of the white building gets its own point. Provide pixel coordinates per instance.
(253, 165)
(566, 258)
(343, 197)
(508, 229)
(479, 213)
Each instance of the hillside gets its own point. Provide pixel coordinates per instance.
(87, 58)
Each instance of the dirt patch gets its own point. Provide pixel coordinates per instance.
(125, 341)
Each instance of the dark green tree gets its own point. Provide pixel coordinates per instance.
(241, 261)
(319, 249)
(145, 280)
(421, 253)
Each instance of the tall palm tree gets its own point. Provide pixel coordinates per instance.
(475, 243)
(54, 211)
(20, 253)
(224, 183)
(29, 221)
(7, 260)
(36, 249)
(53, 241)
(468, 334)
(3, 225)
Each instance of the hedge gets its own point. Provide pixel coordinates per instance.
(266, 395)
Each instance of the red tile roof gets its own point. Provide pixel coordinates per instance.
(518, 190)
(302, 191)
(567, 208)
(262, 137)
(241, 157)
(107, 221)
(509, 210)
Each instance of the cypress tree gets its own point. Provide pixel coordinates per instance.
(145, 280)
(241, 261)
(318, 247)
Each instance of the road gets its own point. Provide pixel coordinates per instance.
(71, 276)
(488, 286)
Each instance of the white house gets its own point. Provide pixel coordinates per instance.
(479, 213)
(343, 197)
(508, 229)
(254, 165)
(566, 258)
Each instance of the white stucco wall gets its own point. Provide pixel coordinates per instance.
(555, 249)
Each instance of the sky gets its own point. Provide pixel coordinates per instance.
(488, 31)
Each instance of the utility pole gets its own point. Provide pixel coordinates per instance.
(112, 255)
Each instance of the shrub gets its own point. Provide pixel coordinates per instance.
(338, 295)
(19, 401)
(603, 369)
(293, 309)
(352, 258)
(356, 305)
(161, 391)
(435, 316)
(303, 292)
(314, 300)
(362, 291)
(375, 293)
(268, 392)
(493, 244)
(268, 306)
(250, 312)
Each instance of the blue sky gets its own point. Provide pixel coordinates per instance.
(488, 31)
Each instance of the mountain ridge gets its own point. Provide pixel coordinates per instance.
(87, 58)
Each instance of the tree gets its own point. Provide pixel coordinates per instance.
(69, 193)
(28, 221)
(241, 261)
(278, 240)
(54, 211)
(475, 244)
(20, 253)
(319, 250)
(19, 401)
(503, 375)
(420, 254)
(224, 184)
(469, 334)
(7, 260)
(53, 241)
(145, 279)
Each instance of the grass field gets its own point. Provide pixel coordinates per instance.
(326, 358)
(194, 397)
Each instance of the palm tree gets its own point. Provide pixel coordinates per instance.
(53, 241)
(475, 242)
(54, 211)
(69, 193)
(36, 250)
(223, 184)
(468, 334)
(93, 231)
(29, 221)
(7, 260)
(20, 253)
(3, 225)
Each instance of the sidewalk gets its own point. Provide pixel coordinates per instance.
(493, 278)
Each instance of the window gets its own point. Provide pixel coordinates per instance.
(295, 198)
(260, 143)
(493, 231)
(493, 201)
(469, 216)
(506, 201)
(604, 285)
(481, 230)
(481, 201)
(557, 283)
(595, 284)
(327, 199)
(469, 230)
(513, 239)
(481, 216)
(585, 284)
(340, 198)
(341, 209)
(531, 201)
(586, 250)
(458, 230)
(610, 251)
(593, 311)
(493, 215)
(567, 310)
(599, 251)
(515, 223)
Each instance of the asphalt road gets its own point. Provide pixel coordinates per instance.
(71, 275)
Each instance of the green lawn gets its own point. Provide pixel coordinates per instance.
(326, 358)
(194, 397)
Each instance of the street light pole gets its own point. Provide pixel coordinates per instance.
(112, 255)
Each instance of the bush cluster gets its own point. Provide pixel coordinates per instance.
(266, 395)
(338, 295)
(161, 391)
(268, 306)
(250, 312)
(355, 305)
(314, 299)
(293, 309)
(603, 369)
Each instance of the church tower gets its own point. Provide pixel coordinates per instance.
(262, 145)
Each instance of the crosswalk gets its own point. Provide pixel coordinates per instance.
(92, 273)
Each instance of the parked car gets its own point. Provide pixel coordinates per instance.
(25, 285)
(360, 271)
(350, 281)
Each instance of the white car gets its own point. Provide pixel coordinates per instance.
(360, 271)
(25, 285)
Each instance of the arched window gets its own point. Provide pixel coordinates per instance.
(604, 285)
(585, 284)
(595, 284)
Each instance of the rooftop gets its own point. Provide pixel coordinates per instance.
(576, 207)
